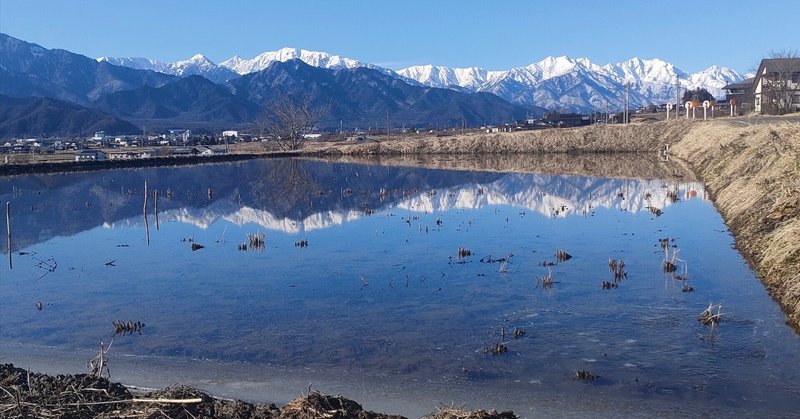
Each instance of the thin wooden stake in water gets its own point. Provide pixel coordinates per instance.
(8, 234)
(144, 211)
(155, 206)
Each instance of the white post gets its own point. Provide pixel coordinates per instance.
(706, 104)
(688, 106)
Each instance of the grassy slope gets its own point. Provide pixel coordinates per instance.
(753, 173)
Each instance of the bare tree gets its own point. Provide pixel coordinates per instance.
(286, 121)
(781, 80)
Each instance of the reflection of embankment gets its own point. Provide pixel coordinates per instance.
(600, 165)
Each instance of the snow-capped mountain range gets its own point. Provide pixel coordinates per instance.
(313, 58)
(563, 83)
(197, 65)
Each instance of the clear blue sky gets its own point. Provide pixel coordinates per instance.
(496, 35)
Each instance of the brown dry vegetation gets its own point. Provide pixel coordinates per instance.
(27, 395)
(24, 394)
(751, 171)
(753, 174)
(595, 139)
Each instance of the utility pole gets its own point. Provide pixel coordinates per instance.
(387, 125)
(677, 96)
(626, 115)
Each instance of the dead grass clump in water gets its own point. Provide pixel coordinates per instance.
(463, 252)
(452, 412)
(586, 376)
(617, 267)
(257, 241)
(545, 282)
(130, 327)
(708, 317)
(315, 405)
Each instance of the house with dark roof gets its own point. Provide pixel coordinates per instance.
(776, 86)
(741, 95)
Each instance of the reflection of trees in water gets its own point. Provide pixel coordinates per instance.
(286, 186)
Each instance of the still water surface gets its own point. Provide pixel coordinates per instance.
(380, 293)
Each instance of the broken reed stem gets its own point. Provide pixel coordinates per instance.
(165, 401)
(101, 361)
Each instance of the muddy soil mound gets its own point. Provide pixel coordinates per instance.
(25, 394)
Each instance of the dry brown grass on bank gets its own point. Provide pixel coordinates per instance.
(644, 137)
(753, 173)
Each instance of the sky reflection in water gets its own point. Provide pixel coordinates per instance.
(380, 289)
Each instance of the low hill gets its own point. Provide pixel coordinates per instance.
(191, 99)
(38, 116)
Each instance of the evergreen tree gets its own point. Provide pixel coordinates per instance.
(700, 94)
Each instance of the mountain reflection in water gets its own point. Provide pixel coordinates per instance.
(401, 274)
(296, 195)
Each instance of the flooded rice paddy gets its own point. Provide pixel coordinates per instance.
(428, 283)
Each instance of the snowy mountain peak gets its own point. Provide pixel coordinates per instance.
(313, 58)
(200, 58)
(553, 66)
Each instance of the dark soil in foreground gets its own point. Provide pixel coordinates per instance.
(24, 394)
